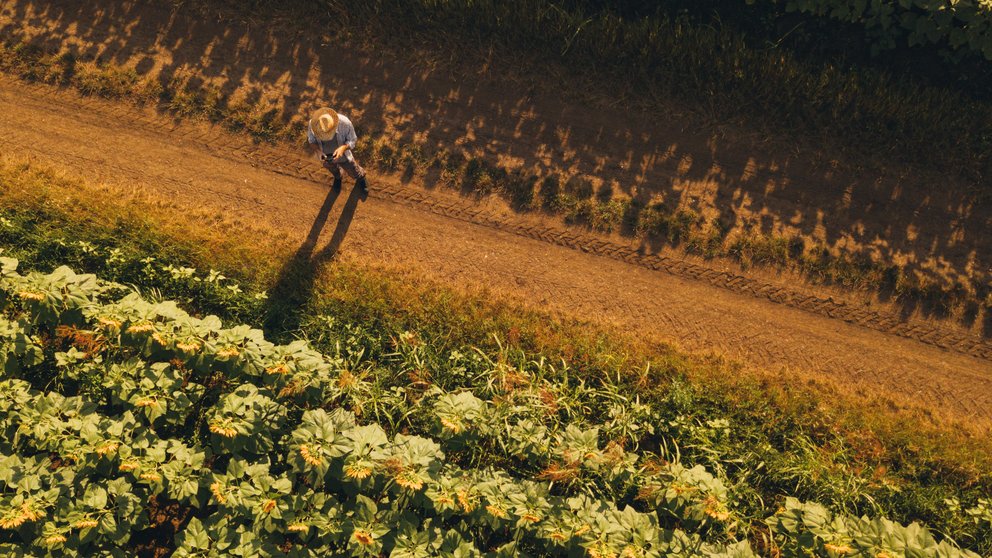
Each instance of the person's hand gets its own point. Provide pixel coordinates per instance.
(340, 151)
(323, 156)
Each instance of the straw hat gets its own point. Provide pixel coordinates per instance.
(324, 123)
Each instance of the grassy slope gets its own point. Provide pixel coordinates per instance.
(813, 442)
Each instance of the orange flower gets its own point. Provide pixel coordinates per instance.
(362, 537)
(268, 506)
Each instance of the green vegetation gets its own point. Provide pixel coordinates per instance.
(110, 401)
(707, 65)
(758, 439)
(958, 29)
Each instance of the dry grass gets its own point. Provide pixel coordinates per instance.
(401, 296)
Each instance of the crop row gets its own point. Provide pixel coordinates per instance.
(251, 440)
(961, 26)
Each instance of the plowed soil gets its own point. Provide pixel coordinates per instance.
(767, 321)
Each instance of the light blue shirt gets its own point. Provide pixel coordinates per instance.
(345, 135)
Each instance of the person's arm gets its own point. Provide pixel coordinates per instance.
(350, 140)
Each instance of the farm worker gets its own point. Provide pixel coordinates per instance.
(332, 136)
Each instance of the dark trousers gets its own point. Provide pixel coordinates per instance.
(353, 169)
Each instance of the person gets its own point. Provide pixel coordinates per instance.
(332, 136)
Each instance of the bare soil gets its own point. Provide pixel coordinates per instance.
(892, 214)
(777, 325)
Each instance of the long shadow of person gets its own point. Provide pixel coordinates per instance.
(293, 291)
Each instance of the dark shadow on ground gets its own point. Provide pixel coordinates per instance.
(293, 290)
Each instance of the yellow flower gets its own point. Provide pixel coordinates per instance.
(298, 528)
(600, 550)
(188, 346)
(466, 501)
(157, 337)
(308, 456)
(129, 465)
(143, 327)
(445, 500)
(409, 480)
(107, 447)
(681, 488)
(52, 540)
(357, 471)
(268, 506)
(146, 402)
(215, 489)
(837, 548)
(224, 427)
(86, 524)
(716, 509)
(29, 295)
(229, 352)
(557, 536)
(109, 323)
(582, 530)
(346, 379)
(280, 368)
(496, 511)
(530, 517)
(362, 537)
(454, 426)
(150, 476)
(17, 517)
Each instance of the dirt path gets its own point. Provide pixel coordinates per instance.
(748, 181)
(456, 241)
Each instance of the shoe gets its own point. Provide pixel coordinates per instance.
(337, 183)
(362, 184)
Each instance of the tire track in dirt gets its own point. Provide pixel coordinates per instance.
(594, 278)
(290, 163)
